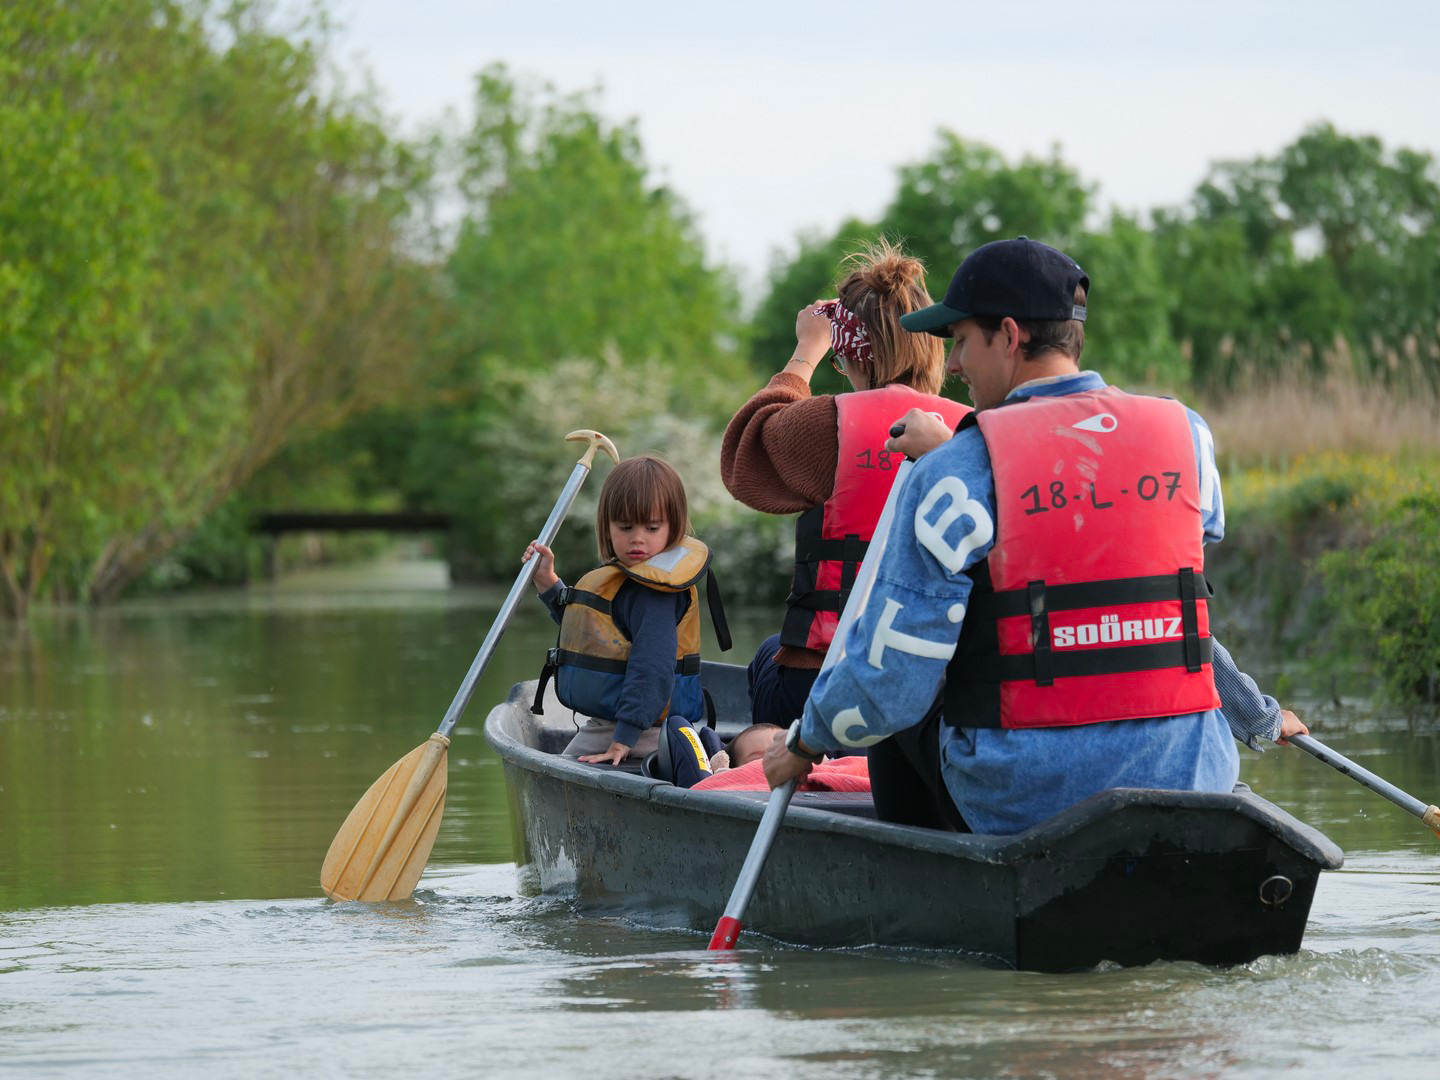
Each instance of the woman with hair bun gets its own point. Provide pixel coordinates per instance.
(823, 456)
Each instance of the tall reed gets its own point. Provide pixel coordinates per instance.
(1271, 418)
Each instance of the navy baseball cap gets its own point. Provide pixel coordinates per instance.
(1021, 278)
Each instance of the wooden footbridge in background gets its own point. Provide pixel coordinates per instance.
(274, 525)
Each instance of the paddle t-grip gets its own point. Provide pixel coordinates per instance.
(597, 442)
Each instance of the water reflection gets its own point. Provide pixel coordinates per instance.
(198, 755)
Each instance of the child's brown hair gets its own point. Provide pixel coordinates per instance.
(633, 491)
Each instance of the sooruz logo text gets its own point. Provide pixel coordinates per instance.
(1111, 629)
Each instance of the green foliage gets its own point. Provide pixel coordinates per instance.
(1329, 251)
(567, 258)
(220, 551)
(1384, 598)
(502, 486)
(1129, 339)
(199, 258)
(567, 248)
(1339, 561)
(810, 275)
(965, 194)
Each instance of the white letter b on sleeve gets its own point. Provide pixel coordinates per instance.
(932, 537)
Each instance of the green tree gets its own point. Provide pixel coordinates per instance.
(1326, 251)
(568, 248)
(568, 252)
(966, 194)
(202, 255)
(1128, 338)
(810, 275)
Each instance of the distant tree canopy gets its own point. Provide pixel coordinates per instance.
(199, 261)
(568, 247)
(1328, 252)
(567, 250)
(221, 287)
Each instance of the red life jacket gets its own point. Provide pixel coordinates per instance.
(1092, 604)
(831, 539)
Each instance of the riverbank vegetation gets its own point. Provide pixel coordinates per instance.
(227, 285)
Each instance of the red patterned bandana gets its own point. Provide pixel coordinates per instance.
(848, 336)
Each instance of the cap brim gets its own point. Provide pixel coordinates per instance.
(935, 319)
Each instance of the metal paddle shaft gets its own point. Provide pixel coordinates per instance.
(512, 601)
(381, 849)
(727, 930)
(1430, 815)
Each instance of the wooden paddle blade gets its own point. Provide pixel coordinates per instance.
(381, 850)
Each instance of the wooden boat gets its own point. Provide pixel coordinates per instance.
(1128, 876)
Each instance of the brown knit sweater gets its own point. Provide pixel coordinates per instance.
(779, 456)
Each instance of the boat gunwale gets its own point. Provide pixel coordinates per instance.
(1036, 841)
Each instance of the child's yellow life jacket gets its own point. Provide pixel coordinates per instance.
(591, 657)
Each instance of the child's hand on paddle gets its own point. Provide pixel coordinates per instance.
(617, 753)
(545, 569)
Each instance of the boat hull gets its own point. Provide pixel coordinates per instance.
(1128, 876)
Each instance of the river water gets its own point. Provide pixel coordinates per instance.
(172, 772)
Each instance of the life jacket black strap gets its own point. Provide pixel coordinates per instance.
(585, 598)
(717, 612)
(686, 665)
(853, 550)
(1115, 660)
(847, 548)
(1136, 590)
(816, 600)
(848, 551)
(1190, 620)
(589, 663)
(1041, 667)
(552, 657)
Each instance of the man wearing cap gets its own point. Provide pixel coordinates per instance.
(1038, 630)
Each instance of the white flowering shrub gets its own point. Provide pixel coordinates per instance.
(643, 408)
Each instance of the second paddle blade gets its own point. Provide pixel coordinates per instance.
(381, 850)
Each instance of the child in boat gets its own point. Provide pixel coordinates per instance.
(629, 649)
(752, 742)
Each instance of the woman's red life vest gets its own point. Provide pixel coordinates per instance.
(831, 539)
(1092, 604)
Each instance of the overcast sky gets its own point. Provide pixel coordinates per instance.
(769, 118)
